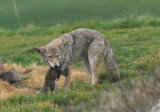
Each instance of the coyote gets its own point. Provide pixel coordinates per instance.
(82, 44)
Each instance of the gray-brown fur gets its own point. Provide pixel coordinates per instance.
(1, 66)
(84, 45)
(52, 76)
(12, 77)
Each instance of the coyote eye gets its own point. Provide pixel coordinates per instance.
(50, 56)
(57, 55)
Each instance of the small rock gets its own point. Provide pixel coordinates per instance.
(12, 76)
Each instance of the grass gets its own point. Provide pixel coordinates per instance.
(135, 41)
(33, 36)
(49, 12)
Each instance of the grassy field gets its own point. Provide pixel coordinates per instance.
(135, 41)
(52, 12)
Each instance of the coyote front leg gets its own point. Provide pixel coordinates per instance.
(68, 78)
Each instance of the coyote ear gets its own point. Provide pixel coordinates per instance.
(62, 43)
(40, 50)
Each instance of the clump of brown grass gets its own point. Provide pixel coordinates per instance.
(13, 66)
(37, 76)
(7, 90)
(35, 79)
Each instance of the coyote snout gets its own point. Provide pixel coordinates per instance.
(54, 63)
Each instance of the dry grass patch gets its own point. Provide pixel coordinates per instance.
(7, 90)
(34, 79)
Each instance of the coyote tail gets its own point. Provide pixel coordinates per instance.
(110, 63)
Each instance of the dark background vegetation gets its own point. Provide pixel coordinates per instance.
(52, 12)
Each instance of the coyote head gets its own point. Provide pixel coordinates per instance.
(50, 55)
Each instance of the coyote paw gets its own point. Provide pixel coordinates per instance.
(43, 91)
(95, 80)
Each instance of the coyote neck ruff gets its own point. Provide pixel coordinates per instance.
(84, 45)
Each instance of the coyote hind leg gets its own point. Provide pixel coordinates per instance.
(95, 54)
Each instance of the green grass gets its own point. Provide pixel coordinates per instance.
(52, 12)
(135, 41)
